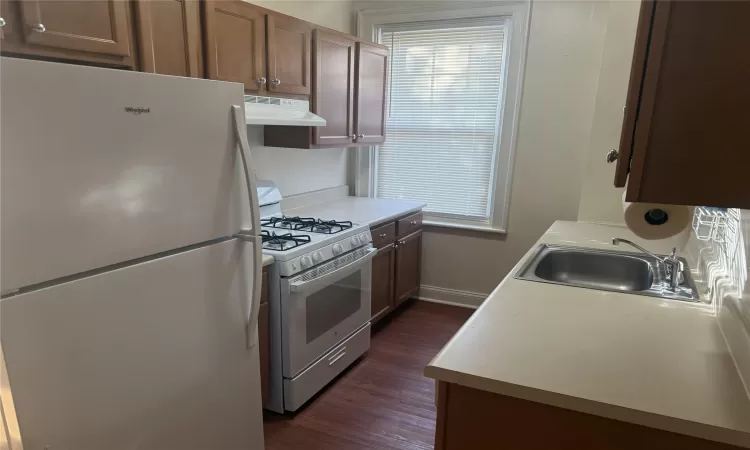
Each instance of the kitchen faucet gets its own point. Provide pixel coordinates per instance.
(672, 264)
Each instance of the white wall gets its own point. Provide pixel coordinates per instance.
(299, 171)
(336, 14)
(600, 200)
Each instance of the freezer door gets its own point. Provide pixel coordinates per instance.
(150, 357)
(101, 166)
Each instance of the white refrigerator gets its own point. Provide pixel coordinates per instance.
(130, 268)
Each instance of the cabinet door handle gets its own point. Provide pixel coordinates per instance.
(276, 81)
(395, 246)
(261, 80)
(39, 28)
(354, 137)
(361, 136)
(2, 22)
(612, 156)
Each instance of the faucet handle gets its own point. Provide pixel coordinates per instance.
(673, 255)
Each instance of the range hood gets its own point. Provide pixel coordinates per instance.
(280, 111)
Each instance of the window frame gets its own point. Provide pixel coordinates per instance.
(516, 15)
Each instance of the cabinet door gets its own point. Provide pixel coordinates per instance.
(333, 88)
(383, 265)
(6, 22)
(88, 26)
(690, 116)
(169, 37)
(408, 266)
(235, 44)
(288, 55)
(369, 116)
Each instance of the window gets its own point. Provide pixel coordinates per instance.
(453, 99)
(443, 110)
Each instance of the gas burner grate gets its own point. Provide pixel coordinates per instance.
(307, 224)
(282, 242)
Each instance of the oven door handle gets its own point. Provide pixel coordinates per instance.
(317, 283)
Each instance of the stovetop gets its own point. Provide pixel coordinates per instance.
(281, 242)
(306, 224)
(289, 238)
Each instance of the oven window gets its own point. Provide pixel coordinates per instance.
(333, 304)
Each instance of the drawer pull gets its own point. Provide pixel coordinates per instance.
(413, 222)
(383, 236)
(332, 360)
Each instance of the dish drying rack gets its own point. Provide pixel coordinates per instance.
(717, 224)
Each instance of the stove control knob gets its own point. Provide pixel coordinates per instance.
(337, 249)
(317, 257)
(305, 262)
(364, 238)
(355, 241)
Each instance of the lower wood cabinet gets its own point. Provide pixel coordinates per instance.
(469, 418)
(264, 340)
(383, 265)
(408, 266)
(396, 267)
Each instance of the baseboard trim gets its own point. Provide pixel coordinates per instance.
(465, 299)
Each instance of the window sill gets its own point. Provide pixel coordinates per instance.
(463, 226)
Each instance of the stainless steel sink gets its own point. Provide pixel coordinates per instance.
(605, 270)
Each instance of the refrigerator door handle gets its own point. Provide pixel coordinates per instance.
(254, 303)
(250, 235)
(240, 133)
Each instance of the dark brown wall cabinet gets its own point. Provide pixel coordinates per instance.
(86, 31)
(348, 91)
(240, 38)
(170, 37)
(235, 44)
(684, 138)
(396, 267)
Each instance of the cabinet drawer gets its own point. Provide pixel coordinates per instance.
(383, 235)
(409, 224)
(301, 388)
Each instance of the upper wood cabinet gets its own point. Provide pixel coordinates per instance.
(288, 50)
(241, 38)
(684, 136)
(90, 26)
(92, 31)
(369, 115)
(169, 37)
(235, 39)
(333, 88)
(6, 24)
(348, 91)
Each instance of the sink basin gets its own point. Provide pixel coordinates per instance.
(605, 270)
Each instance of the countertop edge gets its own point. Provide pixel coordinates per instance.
(583, 405)
(406, 212)
(267, 260)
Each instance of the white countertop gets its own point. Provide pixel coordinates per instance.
(360, 210)
(644, 360)
(267, 260)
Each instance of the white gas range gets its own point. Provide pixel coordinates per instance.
(319, 299)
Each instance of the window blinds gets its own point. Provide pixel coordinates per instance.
(442, 116)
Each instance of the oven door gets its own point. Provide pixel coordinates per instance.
(321, 307)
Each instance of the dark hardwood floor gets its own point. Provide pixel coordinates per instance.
(383, 401)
